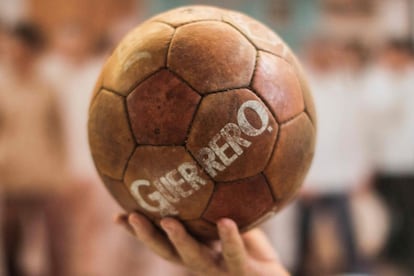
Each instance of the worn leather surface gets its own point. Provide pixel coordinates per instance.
(161, 110)
(110, 138)
(201, 113)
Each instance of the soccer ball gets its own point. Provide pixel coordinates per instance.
(202, 113)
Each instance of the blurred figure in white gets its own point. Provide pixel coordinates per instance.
(31, 157)
(72, 69)
(341, 163)
(96, 246)
(389, 92)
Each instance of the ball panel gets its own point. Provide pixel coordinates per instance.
(184, 15)
(201, 229)
(166, 181)
(267, 215)
(110, 139)
(96, 89)
(120, 192)
(211, 56)
(142, 52)
(161, 109)
(292, 157)
(260, 35)
(244, 200)
(275, 81)
(232, 135)
(306, 92)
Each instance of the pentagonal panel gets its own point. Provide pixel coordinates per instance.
(184, 15)
(110, 139)
(261, 36)
(211, 56)
(275, 81)
(292, 157)
(306, 92)
(201, 229)
(232, 135)
(120, 192)
(244, 201)
(166, 181)
(141, 53)
(161, 109)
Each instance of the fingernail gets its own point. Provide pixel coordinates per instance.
(134, 220)
(167, 226)
(223, 227)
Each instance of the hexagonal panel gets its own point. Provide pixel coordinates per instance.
(110, 139)
(184, 15)
(261, 36)
(97, 88)
(141, 53)
(212, 56)
(161, 110)
(277, 84)
(264, 217)
(244, 201)
(202, 229)
(292, 157)
(232, 135)
(121, 194)
(166, 181)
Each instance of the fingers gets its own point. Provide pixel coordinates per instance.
(194, 255)
(234, 251)
(258, 245)
(152, 238)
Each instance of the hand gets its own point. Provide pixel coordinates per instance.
(246, 254)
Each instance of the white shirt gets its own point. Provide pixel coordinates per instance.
(390, 98)
(341, 160)
(75, 86)
(31, 159)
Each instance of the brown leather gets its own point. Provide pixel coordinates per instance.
(120, 192)
(110, 140)
(203, 113)
(243, 200)
(307, 94)
(216, 111)
(201, 229)
(260, 35)
(97, 87)
(153, 162)
(141, 53)
(292, 157)
(211, 56)
(161, 110)
(275, 81)
(184, 15)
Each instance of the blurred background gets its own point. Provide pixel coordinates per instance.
(355, 212)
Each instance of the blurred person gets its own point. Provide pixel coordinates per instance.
(31, 157)
(389, 90)
(341, 163)
(95, 246)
